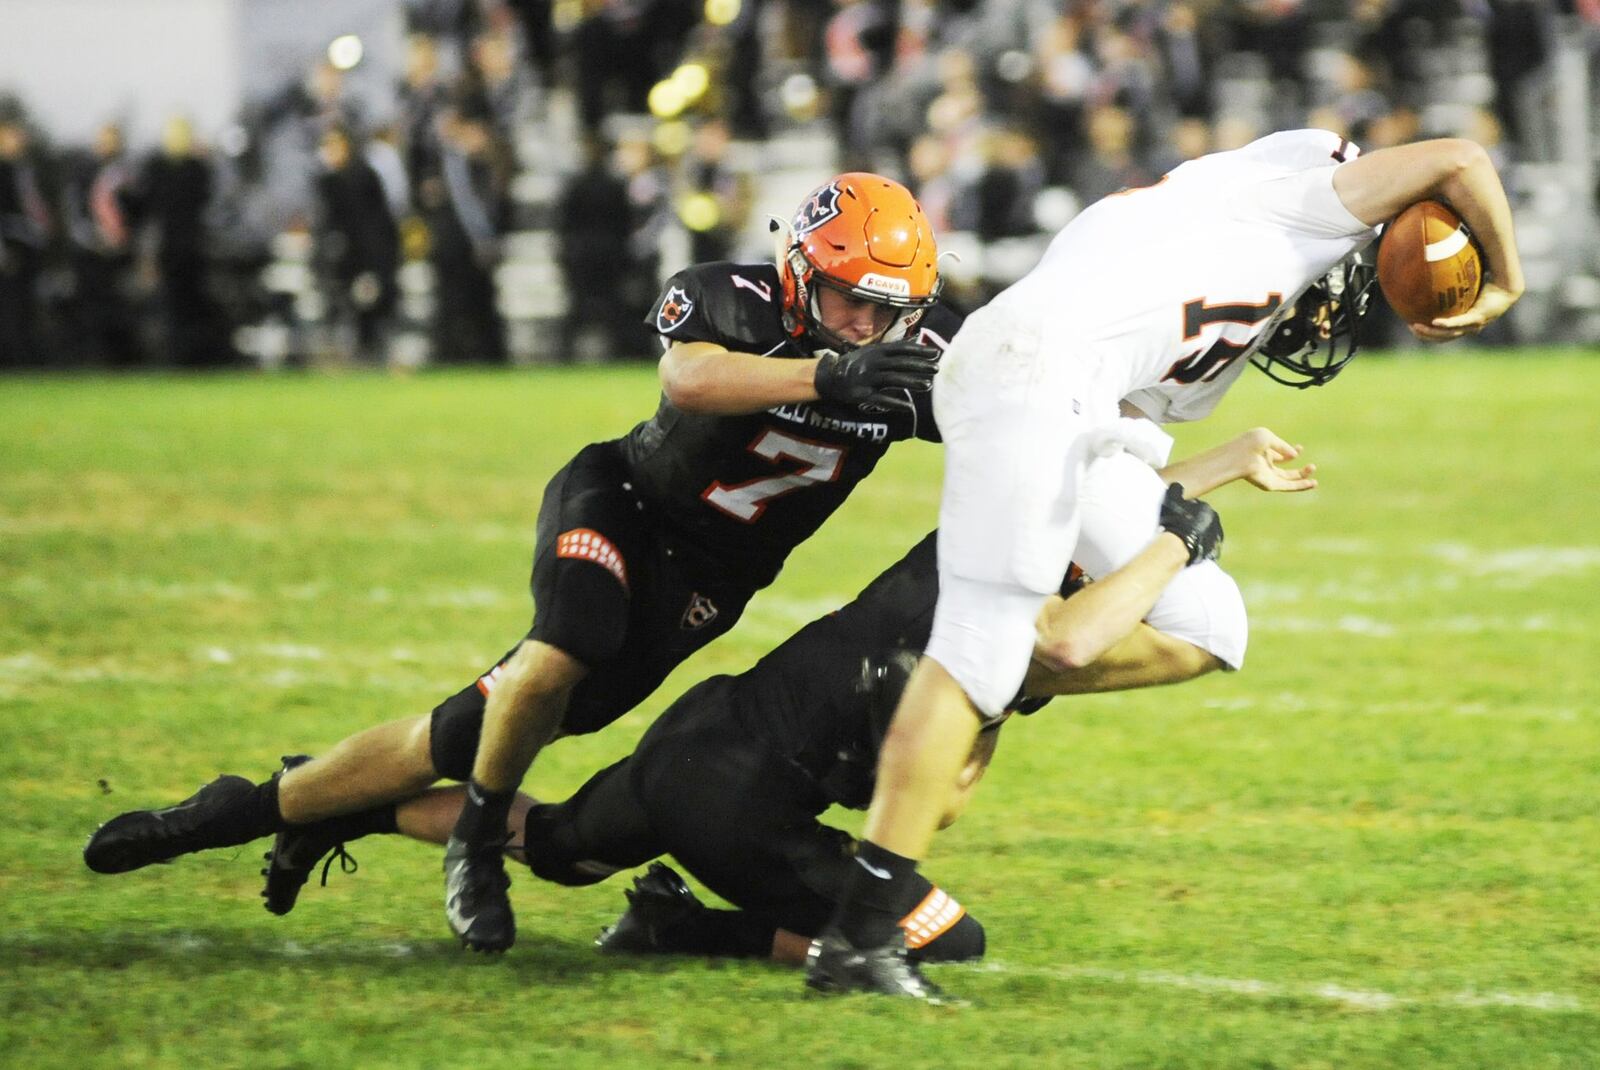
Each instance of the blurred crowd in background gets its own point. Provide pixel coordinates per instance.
(545, 163)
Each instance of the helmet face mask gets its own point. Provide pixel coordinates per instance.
(1319, 337)
(865, 238)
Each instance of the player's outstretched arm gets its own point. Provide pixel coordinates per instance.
(1254, 456)
(707, 378)
(1075, 633)
(1144, 657)
(1378, 186)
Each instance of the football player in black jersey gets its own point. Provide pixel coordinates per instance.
(731, 779)
(782, 386)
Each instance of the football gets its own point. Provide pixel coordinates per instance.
(1428, 264)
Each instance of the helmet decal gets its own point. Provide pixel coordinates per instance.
(820, 207)
(863, 236)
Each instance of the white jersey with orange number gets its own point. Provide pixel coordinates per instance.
(1156, 296)
(1171, 285)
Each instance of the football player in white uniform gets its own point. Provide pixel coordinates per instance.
(1147, 304)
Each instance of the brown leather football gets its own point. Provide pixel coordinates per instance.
(1428, 264)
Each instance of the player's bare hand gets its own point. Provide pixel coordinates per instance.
(1262, 454)
(1492, 303)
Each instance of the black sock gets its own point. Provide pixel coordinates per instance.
(720, 933)
(483, 818)
(265, 818)
(880, 891)
(378, 821)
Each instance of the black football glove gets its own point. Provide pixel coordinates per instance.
(1195, 522)
(877, 375)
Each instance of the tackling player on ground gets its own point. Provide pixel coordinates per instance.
(1153, 297)
(731, 779)
(782, 387)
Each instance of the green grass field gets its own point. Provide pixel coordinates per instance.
(1375, 847)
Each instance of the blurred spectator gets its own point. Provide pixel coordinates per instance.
(859, 42)
(177, 186)
(383, 154)
(358, 245)
(1277, 30)
(636, 275)
(465, 205)
(25, 227)
(1401, 126)
(451, 20)
(593, 230)
(326, 103)
(1110, 164)
(1185, 60)
(1127, 73)
(936, 191)
(1066, 75)
(981, 103)
(1233, 132)
(1002, 198)
(956, 114)
(495, 74)
(314, 103)
(719, 196)
(649, 212)
(741, 72)
(1484, 128)
(1352, 93)
(538, 30)
(1189, 139)
(422, 96)
(100, 208)
(615, 58)
(1400, 35)
(1519, 35)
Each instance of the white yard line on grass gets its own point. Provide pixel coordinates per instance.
(1375, 628)
(1286, 702)
(1518, 566)
(1361, 999)
(1327, 991)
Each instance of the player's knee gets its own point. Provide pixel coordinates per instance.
(962, 942)
(583, 612)
(541, 669)
(453, 733)
(983, 636)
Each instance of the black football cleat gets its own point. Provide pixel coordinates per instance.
(296, 851)
(475, 900)
(835, 965)
(658, 903)
(214, 816)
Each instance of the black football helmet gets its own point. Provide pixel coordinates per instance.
(1320, 334)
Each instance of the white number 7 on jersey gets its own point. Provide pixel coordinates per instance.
(747, 501)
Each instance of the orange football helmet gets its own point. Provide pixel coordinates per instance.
(866, 237)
